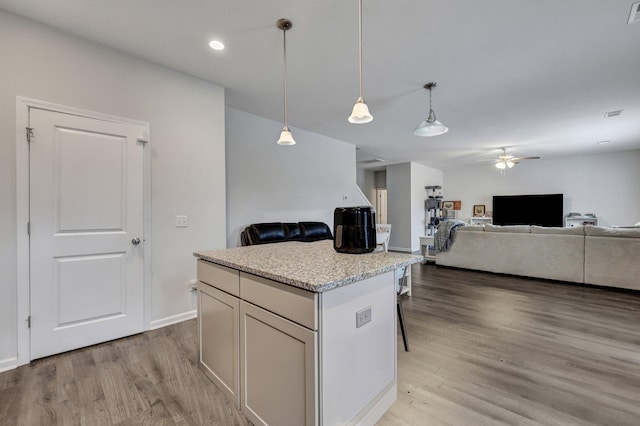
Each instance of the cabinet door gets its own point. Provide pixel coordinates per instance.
(278, 369)
(218, 339)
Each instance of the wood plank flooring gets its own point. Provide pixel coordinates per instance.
(147, 379)
(491, 349)
(485, 350)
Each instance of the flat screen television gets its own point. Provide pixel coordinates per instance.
(541, 210)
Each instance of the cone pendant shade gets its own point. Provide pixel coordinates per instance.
(427, 128)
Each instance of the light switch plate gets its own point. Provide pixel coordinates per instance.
(182, 221)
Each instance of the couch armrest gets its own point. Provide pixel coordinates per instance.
(263, 233)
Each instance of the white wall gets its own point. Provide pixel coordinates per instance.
(366, 182)
(421, 176)
(606, 184)
(187, 151)
(271, 183)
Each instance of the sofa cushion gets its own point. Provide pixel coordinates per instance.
(517, 229)
(315, 231)
(471, 228)
(599, 231)
(263, 233)
(576, 230)
(292, 231)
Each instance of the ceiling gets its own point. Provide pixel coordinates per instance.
(536, 77)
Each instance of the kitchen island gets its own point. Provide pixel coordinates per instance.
(295, 333)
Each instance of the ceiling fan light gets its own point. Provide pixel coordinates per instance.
(510, 164)
(286, 138)
(360, 113)
(427, 128)
(501, 165)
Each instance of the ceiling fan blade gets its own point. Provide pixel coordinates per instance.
(514, 159)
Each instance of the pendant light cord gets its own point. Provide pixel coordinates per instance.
(360, 46)
(431, 118)
(431, 113)
(430, 108)
(284, 36)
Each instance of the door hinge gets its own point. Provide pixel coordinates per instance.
(29, 133)
(29, 321)
(28, 228)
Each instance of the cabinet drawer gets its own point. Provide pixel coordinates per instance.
(220, 277)
(293, 303)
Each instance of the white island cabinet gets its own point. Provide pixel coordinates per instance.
(284, 345)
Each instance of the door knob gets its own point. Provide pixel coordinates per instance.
(135, 241)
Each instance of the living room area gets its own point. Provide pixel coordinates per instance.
(502, 327)
(603, 185)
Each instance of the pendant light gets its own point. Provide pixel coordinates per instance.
(360, 113)
(430, 126)
(286, 138)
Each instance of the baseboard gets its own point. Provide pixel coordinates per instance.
(173, 319)
(377, 407)
(400, 249)
(12, 363)
(8, 364)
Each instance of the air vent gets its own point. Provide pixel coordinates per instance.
(613, 113)
(634, 16)
(603, 142)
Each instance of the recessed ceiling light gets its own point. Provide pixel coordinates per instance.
(603, 142)
(216, 45)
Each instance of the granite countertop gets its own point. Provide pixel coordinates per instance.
(312, 266)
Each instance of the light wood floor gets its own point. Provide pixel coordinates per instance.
(485, 350)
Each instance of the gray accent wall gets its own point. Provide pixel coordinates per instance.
(399, 206)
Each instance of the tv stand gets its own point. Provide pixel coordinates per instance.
(573, 221)
(480, 220)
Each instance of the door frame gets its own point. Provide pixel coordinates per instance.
(23, 298)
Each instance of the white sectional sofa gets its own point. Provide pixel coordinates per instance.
(612, 257)
(591, 255)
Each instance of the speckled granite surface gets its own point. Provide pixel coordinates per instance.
(313, 266)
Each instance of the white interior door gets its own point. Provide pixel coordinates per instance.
(86, 216)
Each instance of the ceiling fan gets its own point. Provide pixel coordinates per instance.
(505, 161)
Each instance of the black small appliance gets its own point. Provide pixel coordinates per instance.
(354, 229)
